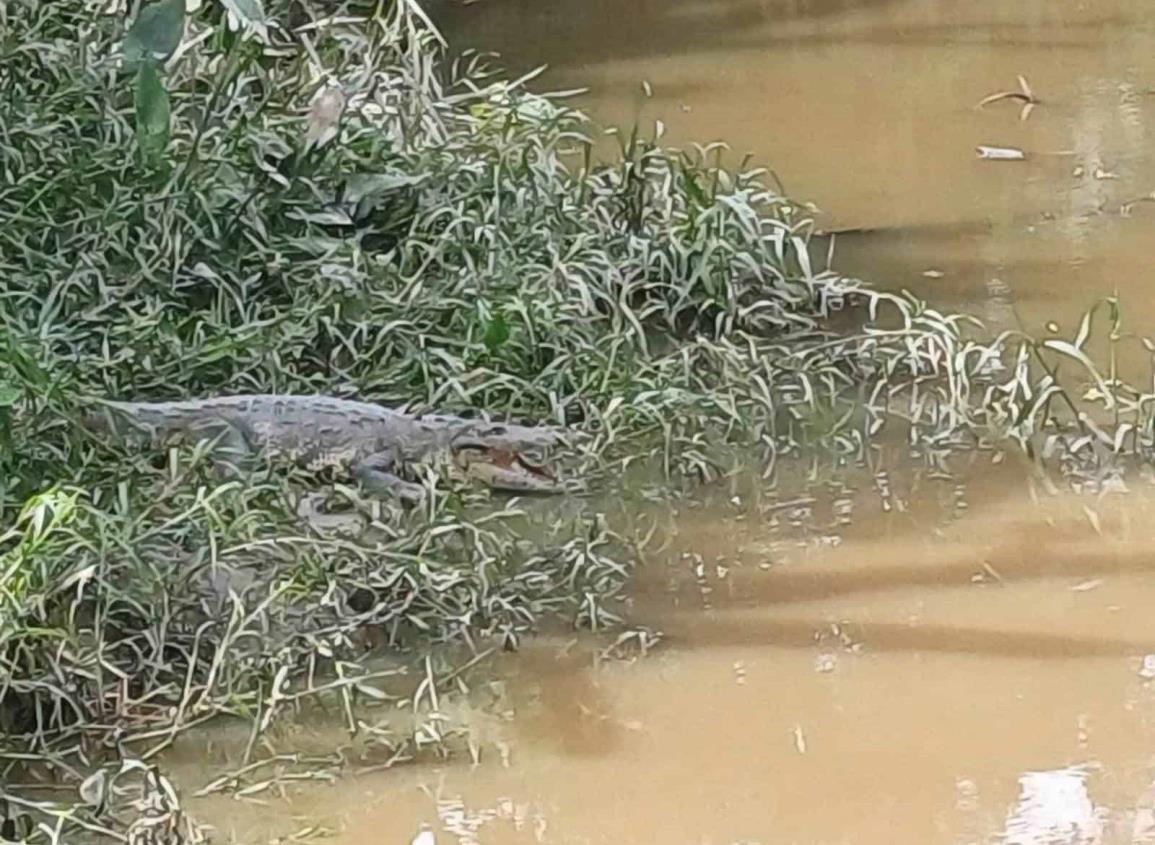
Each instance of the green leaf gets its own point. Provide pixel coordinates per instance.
(496, 333)
(694, 191)
(9, 395)
(156, 31)
(152, 111)
(250, 13)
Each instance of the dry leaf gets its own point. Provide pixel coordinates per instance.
(324, 121)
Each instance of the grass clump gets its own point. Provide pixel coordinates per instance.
(187, 217)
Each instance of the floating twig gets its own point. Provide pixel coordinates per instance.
(1024, 95)
(1001, 153)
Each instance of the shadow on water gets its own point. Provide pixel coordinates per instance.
(1029, 562)
(560, 703)
(1005, 564)
(661, 29)
(695, 630)
(649, 27)
(1022, 37)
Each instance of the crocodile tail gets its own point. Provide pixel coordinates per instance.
(122, 418)
(105, 416)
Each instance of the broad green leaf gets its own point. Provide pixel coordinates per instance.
(152, 111)
(156, 31)
(496, 333)
(360, 185)
(9, 395)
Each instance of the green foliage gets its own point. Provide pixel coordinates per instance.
(244, 264)
(248, 12)
(496, 332)
(152, 112)
(156, 32)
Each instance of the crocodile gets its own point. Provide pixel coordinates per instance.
(364, 441)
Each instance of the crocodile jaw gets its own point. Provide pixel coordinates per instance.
(500, 478)
(507, 471)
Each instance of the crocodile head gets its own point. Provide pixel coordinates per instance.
(505, 456)
(504, 468)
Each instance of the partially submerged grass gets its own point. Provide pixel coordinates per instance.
(452, 247)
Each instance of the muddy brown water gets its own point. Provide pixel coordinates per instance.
(905, 659)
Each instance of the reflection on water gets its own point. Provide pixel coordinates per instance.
(1054, 806)
(901, 656)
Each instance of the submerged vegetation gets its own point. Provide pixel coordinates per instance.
(186, 216)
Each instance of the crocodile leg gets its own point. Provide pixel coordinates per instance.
(374, 474)
(232, 453)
